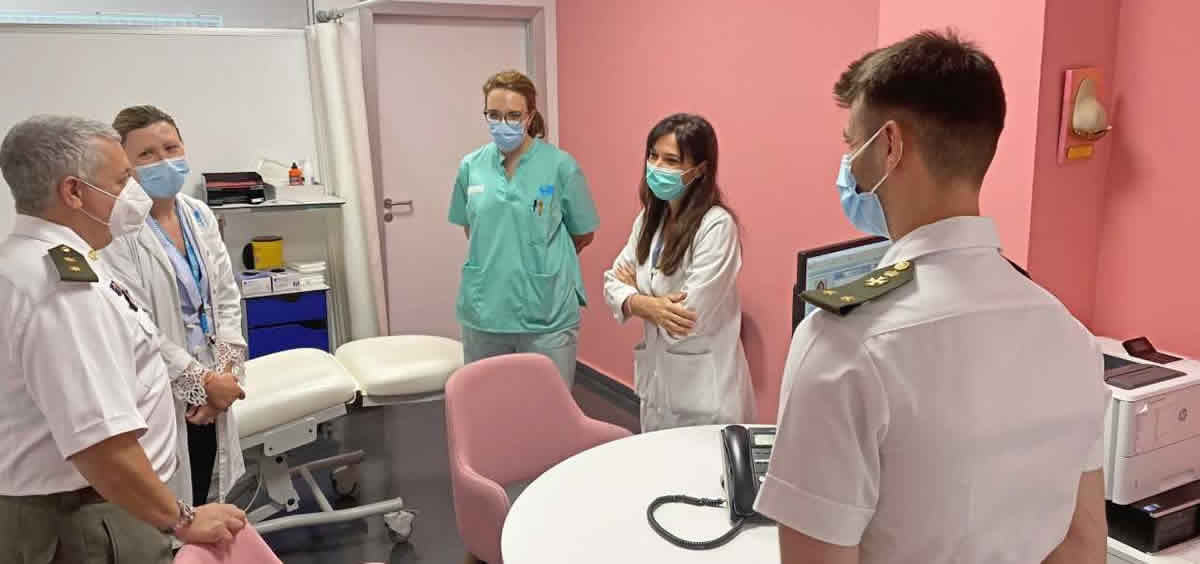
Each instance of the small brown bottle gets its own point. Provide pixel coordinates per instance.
(295, 176)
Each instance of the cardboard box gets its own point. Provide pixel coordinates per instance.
(254, 283)
(283, 280)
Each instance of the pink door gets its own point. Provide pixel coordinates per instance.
(430, 75)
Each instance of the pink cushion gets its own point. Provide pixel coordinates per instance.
(509, 419)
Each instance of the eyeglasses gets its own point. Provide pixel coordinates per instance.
(511, 118)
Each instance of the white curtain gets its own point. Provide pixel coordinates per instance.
(335, 54)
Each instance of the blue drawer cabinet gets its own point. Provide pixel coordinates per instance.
(266, 311)
(267, 340)
(288, 321)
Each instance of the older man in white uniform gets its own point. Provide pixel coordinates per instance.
(944, 409)
(87, 428)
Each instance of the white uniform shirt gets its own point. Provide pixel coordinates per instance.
(77, 366)
(947, 421)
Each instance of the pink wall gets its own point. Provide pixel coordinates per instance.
(1011, 33)
(1068, 199)
(763, 73)
(1148, 229)
(1115, 230)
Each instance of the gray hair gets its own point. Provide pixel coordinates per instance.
(39, 152)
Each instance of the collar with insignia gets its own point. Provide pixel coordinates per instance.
(952, 234)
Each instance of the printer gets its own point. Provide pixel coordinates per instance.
(1152, 441)
(225, 188)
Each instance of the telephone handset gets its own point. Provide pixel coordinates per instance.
(746, 451)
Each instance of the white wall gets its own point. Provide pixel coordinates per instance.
(236, 13)
(270, 115)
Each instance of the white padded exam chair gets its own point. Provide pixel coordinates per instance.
(402, 368)
(289, 395)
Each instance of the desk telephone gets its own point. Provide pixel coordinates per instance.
(746, 451)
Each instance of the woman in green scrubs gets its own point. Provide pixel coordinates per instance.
(527, 212)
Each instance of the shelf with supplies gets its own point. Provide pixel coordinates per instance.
(284, 204)
(307, 223)
(321, 288)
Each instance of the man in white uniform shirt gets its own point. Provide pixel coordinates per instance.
(87, 426)
(944, 409)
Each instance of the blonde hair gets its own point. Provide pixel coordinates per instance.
(519, 83)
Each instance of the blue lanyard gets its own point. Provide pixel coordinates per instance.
(193, 261)
(657, 250)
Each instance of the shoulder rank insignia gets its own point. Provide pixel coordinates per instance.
(71, 265)
(844, 299)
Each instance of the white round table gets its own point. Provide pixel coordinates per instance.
(591, 508)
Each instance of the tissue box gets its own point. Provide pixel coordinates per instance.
(312, 281)
(283, 280)
(254, 283)
(311, 267)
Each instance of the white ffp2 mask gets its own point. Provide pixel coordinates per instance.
(129, 211)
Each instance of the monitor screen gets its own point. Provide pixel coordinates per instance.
(832, 266)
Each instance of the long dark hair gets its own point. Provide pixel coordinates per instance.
(698, 141)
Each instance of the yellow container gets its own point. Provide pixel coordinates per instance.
(264, 253)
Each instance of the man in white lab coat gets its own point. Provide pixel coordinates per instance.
(943, 409)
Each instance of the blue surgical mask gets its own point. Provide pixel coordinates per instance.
(507, 137)
(163, 179)
(666, 184)
(863, 209)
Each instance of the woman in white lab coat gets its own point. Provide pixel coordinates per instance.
(678, 273)
(177, 267)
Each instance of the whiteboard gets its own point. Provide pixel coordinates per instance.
(237, 94)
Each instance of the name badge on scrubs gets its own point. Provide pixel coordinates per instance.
(476, 189)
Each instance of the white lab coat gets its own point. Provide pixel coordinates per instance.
(139, 262)
(702, 378)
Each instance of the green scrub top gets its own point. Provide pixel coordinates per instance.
(522, 273)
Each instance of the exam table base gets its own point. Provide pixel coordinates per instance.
(275, 476)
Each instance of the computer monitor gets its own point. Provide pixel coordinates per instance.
(833, 265)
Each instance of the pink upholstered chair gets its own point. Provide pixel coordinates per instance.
(509, 419)
(247, 548)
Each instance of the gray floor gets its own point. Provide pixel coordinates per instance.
(406, 456)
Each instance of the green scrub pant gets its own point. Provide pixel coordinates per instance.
(559, 346)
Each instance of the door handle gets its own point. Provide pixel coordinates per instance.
(388, 203)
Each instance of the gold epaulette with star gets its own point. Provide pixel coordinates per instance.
(844, 299)
(71, 265)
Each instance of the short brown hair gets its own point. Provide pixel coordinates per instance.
(519, 83)
(948, 87)
(137, 117)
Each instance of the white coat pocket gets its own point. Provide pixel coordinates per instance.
(643, 369)
(689, 382)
